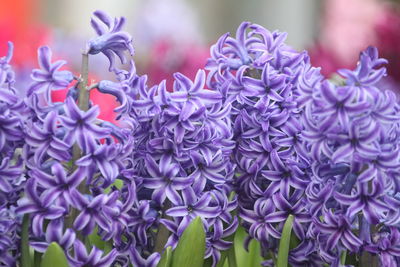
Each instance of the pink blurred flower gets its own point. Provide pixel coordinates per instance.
(348, 27)
(168, 57)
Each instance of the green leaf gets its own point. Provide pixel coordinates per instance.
(25, 253)
(294, 241)
(166, 258)
(95, 240)
(251, 258)
(54, 256)
(283, 253)
(191, 247)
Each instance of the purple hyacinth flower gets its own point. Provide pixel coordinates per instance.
(117, 90)
(368, 72)
(141, 218)
(45, 141)
(295, 206)
(9, 129)
(91, 213)
(8, 237)
(152, 100)
(111, 41)
(118, 208)
(270, 85)
(58, 187)
(215, 242)
(270, 43)
(207, 170)
(365, 200)
(231, 53)
(138, 260)
(6, 73)
(360, 142)
(49, 77)
(226, 207)
(95, 258)
(39, 210)
(338, 103)
(192, 94)
(284, 175)
(317, 195)
(10, 175)
(180, 127)
(337, 228)
(164, 180)
(81, 125)
(260, 228)
(103, 158)
(55, 233)
(387, 247)
(192, 207)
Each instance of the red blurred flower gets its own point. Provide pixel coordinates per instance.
(388, 34)
(18, 23)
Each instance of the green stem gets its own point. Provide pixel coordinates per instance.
(83, 104)
(37, 259)
(163, 232)
(232, 257)
(283, 253)
(367, 259)
(25, 254)
(343, 257)
(273, 257)
(83, 98)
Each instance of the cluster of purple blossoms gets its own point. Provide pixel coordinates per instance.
(326, 154)
(73, 163)
(261, 78)
(11, 164)
(180, 161)
(165, 162)
(352, 135)
(262, 134)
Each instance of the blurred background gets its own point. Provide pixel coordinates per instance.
(175, 35)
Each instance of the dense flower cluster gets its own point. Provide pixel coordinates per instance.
(11, 164)
(352, 133)
(181, 159)
(262, 79)
(259, 137)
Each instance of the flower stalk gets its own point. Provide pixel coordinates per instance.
(25, 255)
(83, 104)
(163, 232)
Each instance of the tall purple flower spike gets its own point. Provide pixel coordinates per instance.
(12, 176)
(351, 132)
(111, 41)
